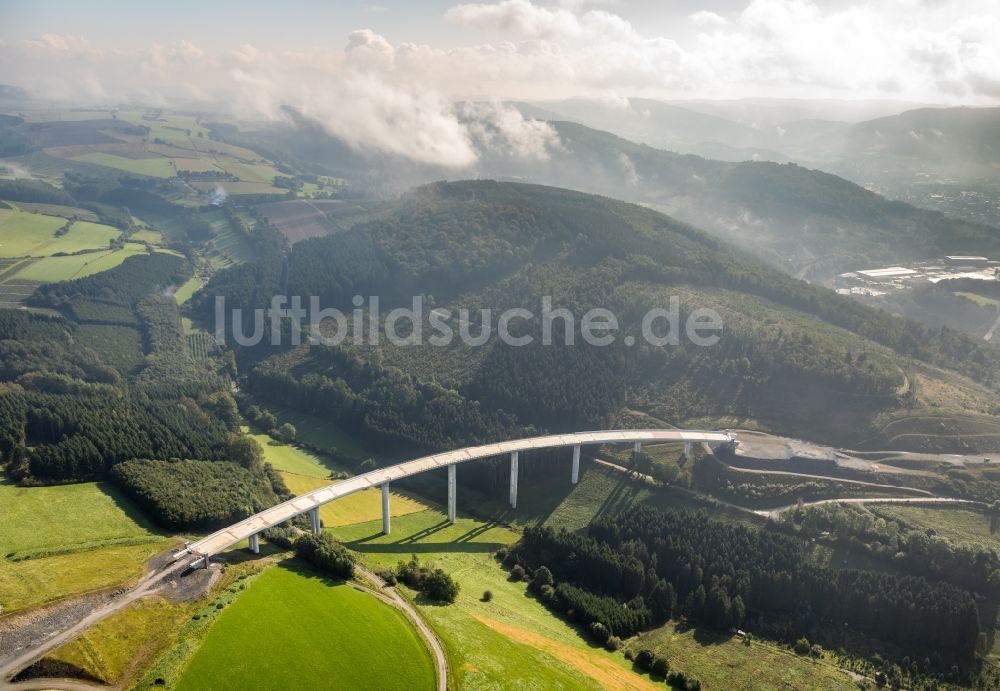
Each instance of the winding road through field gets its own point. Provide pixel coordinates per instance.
(390, 596)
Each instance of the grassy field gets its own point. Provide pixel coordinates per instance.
(511, 641)
(36, 519)
(33, 582)
(321, 433)
(50, 269)
(355, 508)
(352, 640)
(25, 234)
(154, 237)
(514, 642)
(722, 661)
(68, 539)
(189, 288)
(958, 525)
(553, 500)
(981, 300)
(292, 459)
(115, 647)
(158, 167)
(59, 210)
(481, 657)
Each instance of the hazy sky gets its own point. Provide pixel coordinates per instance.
(375, 69)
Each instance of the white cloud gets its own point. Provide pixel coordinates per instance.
(502, 129)
(399, 98)
(707, 18)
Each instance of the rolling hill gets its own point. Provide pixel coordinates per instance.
(812, 224)
(793, 357)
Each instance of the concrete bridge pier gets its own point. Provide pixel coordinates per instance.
(513, 479)
(255, 543)
(688, 446)
(385, 508)
(452, 494)
(637, 449)
(314, 519)
(576, 464)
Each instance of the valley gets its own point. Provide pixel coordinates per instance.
(864, 440)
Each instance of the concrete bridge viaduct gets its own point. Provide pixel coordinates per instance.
(250, 528)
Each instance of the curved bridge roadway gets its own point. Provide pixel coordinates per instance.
(250, 528)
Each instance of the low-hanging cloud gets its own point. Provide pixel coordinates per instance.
(400, 99)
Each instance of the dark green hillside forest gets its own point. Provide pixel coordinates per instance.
(726, 576)
(788, 348)
(68, 415)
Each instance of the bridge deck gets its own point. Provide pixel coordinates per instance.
(222, 539)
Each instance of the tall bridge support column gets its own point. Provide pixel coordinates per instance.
(687, 449)
(637, 449)
(513, 479)
(385, 508)
(206, 561)
(452, 494)
(255, 543)
(314, 519)
(576, 464)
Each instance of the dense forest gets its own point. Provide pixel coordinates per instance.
(68, 412)
(724, 574)
(788, 349)
(198, 495)
(969, 565)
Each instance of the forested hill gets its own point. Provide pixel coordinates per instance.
(793, 357)
(809, 222)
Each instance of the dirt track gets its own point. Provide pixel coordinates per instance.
(63, 622)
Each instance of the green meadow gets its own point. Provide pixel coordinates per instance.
(293, 628)
(25, 234)
(51, 269)
(159, 167)
(67, 539)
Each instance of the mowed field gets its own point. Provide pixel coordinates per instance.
(359, 507)
(68, 539)
(158, 166)
(51, 269)
(293, 628)
(24, 234)
(292, 459)
(303, 472)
